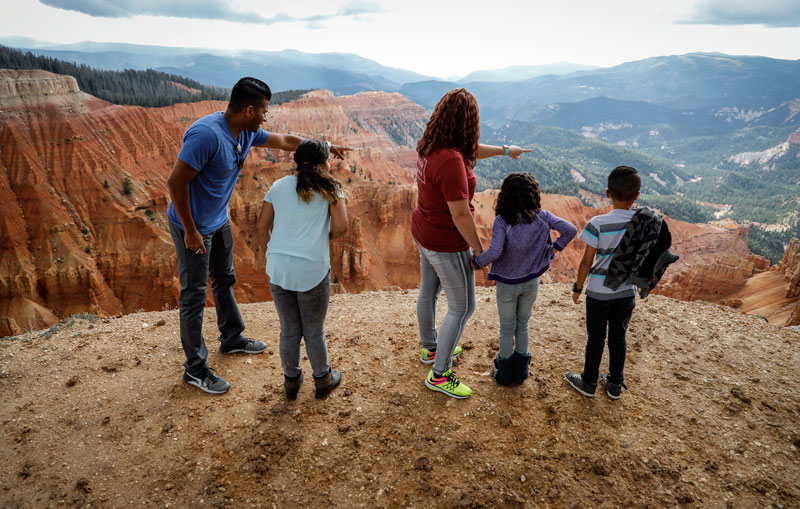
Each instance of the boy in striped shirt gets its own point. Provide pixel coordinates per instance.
(606, 307)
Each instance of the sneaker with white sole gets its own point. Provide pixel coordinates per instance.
(448, 384)
(613, 390)
(207, 381)
(247, 345)
(577, 383)
(428, 356)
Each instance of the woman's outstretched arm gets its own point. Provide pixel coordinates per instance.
(514, 151)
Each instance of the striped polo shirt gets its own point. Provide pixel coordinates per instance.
(604, 233)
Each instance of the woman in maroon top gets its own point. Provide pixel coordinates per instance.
(444, 229)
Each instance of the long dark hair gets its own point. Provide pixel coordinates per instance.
(309, 156)
(519, 197)
(454, 123)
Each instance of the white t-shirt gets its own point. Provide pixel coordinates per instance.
(298, 253)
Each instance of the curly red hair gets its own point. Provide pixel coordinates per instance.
(454, 123)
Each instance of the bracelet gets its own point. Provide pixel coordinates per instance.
(505, 150)
(329, 145)
(575, 288)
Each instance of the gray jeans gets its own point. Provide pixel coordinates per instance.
(302, 315)
(451, 272)
(514, 306)
(194, 270)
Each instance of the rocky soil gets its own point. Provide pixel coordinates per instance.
(94, 413)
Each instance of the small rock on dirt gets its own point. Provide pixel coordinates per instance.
(601, 467)
(683, 496)
(82, 485)
(739, 394)
(423, 463)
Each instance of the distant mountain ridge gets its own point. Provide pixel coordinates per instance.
(343, 73)
(691, 81)
(523, 72)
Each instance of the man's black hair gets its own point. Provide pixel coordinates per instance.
(623, 183)
(248, 92)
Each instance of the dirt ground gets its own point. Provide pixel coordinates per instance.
(94, 414)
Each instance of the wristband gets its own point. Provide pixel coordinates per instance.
(575, 288)
(329, 145)
(505, 150)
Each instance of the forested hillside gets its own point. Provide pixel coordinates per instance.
(148, 88)
(140, 88)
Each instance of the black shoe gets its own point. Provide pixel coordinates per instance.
(521, 363)
(246, 346)
(503, 370)
(327, 383)
(292, 385)
(613, 390)
(577, 383)
(207, 381)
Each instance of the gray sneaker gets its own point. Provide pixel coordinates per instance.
(613, 390)
(577, 383)
(246, 346)
(207, 382)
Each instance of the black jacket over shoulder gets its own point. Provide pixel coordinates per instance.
(643, 255)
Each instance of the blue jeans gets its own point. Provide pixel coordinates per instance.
(451, 272)
(302, 315)
(514, 306)
(195, 270)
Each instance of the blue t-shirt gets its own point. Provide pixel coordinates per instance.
(298, 253)
(210, 148)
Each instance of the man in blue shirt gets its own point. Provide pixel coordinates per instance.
(200, 188)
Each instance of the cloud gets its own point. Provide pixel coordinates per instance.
(771, 13)
(204, 9)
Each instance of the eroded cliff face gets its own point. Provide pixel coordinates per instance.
(790, 267)
(708, 281)
(83, 184)
(747, 284)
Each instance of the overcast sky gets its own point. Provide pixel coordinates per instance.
(433, 37)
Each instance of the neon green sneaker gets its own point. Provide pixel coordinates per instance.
(448, 384)
(428, 356)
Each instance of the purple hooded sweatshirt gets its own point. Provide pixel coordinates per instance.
(522, 252)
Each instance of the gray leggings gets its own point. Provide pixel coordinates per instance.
(514, 305)
(451, 272)
(302, 315)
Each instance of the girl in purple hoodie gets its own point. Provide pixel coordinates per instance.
(520, 252)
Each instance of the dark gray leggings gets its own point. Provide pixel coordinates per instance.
(194, 270)
(302, 315)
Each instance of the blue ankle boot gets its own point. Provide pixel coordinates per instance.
(503, 370)
(521, 362)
